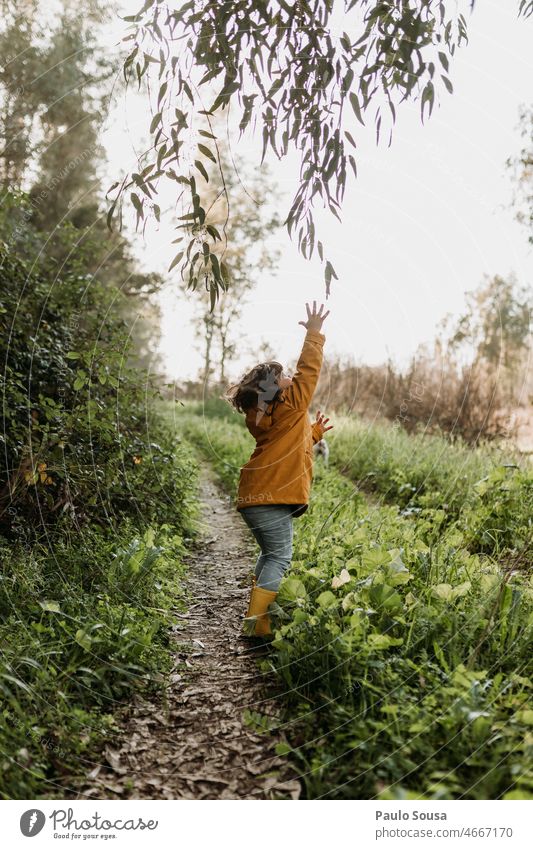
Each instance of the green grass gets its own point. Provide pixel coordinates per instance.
(84, 625)
(403, 641)
(416, 470)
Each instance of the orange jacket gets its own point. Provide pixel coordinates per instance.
(280, 469)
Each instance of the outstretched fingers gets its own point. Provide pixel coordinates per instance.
(323, 422)
(315, 318)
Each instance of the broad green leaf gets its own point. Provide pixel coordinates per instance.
(525, 716)
(326, 599)
(383, 641)
(442, 591)
(461, 589)
(397, 572)
(383, 595)
(375, 557)
(291, 589)
(83, 639)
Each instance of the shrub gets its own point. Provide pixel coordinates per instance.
(97, 502)
(434, 395)
(76, 418)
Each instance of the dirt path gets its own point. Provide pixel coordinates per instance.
(195, 744)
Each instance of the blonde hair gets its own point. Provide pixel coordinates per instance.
(257, 385)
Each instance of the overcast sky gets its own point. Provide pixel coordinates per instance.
(423, 222)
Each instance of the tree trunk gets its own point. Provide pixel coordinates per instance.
(208, 321)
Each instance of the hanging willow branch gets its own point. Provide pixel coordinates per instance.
(302, 87)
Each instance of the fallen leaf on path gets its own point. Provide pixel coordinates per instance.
(94, 772)
(113, 759)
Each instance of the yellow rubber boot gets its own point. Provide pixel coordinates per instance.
(260, 599)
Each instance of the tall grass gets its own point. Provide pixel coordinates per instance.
(417, 470)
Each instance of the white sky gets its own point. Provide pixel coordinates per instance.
(423, 222)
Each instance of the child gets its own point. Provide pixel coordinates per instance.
(274, 484)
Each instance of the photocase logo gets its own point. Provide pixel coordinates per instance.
(267, 390)
(32, 822)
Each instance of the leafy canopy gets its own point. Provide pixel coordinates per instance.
(302, 73)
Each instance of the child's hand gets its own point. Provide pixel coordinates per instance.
(314, 319)
(322, 422)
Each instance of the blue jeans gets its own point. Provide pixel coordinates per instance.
(271, 525)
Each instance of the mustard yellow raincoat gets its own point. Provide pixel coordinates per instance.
(280, 470)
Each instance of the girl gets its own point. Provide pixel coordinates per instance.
(274, 484)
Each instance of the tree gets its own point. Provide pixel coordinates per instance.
(247, 256)
(52, 98)
(76, 89)
(496, 327)
(55, 85)
(281, 65)
(20, 65)
(522, 167)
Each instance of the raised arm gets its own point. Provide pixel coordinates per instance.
(304, 382)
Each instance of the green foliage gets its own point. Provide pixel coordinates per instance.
(226, 444)
(417, 661)
(84, 626)
(97, 501)
(498, 516)
(403, 647)
(288, 75)
(50, 116)
(215, 408)
(496, 323)
(414, 471)
(76, 438)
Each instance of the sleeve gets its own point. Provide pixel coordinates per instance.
(304, 382)
(318, 433)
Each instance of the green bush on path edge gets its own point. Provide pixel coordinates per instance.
(85, 625)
